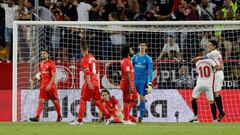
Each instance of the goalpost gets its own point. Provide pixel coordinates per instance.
(174, 75)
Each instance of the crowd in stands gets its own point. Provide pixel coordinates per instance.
(115, 10)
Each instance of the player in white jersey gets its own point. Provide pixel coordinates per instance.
(217, 57)
(206, 76)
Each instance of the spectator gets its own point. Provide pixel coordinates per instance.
(219, 15)
(170, 46)
(152, 14)
(116, 39)
(11, 12)
(236, 48)
(184, 80)
(83, 9)
(165, 6)
(238, 14)
(189, 10)
(227, 10)
(109, 6)
(207, 10)
(234, 6)
(3, 52)
(225, 46)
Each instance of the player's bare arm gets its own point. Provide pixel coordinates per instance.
(51, 81)
(196, 58)
(89, 83)
(129, 82)
(100, 115)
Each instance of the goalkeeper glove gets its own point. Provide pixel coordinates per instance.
(149, 88)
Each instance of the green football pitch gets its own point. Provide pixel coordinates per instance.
(46, 128)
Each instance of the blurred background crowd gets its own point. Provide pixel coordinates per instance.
(119, 10)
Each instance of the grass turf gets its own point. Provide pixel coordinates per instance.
(52, 128)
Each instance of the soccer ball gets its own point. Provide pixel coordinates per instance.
(38, 76)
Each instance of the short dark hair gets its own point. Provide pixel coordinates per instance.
(142, 42)
(45, 50)
(125, 51)
(170, 36)
(84, 47)
(214, 43)
(105, 91)
(200, 52)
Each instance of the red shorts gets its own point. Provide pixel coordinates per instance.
(46, 95)
(88, 94)
(126, 94)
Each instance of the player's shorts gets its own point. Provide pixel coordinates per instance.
(202, 88)
(88, 94)
(126, 94)
(141, 88)
(218, 81)
(46, 95)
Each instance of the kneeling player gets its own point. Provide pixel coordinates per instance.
(114, 108)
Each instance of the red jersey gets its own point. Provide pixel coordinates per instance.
(47, 69)
(90, 67)
(111, 104)
(126, 66)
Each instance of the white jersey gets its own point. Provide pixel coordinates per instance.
(205, 81)
(217, 57)
(205, 71)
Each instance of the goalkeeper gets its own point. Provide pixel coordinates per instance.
(143, 68)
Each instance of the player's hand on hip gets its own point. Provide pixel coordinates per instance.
(48, 87)
(149, 88)
(90, 86)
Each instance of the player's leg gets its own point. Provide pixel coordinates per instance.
(39, 110)
(42, 98)
(85, 96)
(213, 110)
(140, 87)
(210, 97)
(195, 94)
(217, 95)
(54, 97)
(82, 110)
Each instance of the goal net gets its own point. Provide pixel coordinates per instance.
(174, 76)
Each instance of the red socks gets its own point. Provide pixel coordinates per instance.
(57, 107)
(82, 109)
(126, 108)
(39, 109)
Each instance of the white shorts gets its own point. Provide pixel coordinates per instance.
(203, 88)
(218, 82)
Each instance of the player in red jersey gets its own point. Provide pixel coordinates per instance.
(90, 89)
(130, 96)
(48, 90)
(114, 108)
